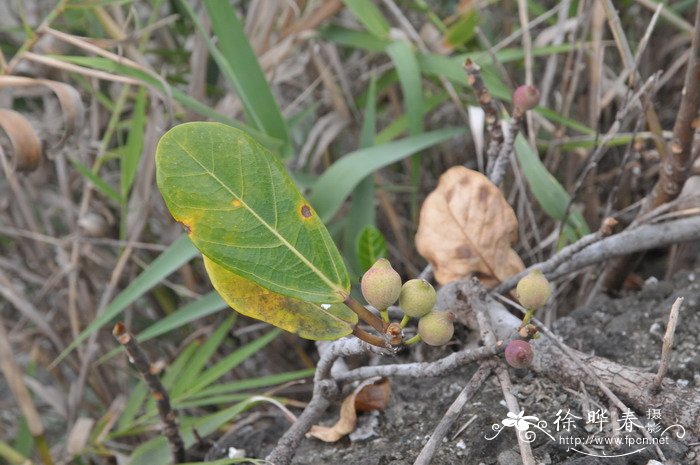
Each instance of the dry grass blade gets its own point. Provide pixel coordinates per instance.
(68, 97)
(13, 376)
(26, 146)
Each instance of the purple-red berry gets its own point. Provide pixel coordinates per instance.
(381, 285)
(526, 97)
(519, 354)
(436, 328)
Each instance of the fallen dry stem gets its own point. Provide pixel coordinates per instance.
(167, 415)
(667, 345)
(453, 412)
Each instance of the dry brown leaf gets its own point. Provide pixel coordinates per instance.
(467, 227)
(374, 396)
(379, 395)
(68, 98)
(26, 146)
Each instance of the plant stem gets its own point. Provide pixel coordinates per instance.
(385, 315)
(365, 315)
(404, 321)
(367, 337)
(528, 316)
(413, 340)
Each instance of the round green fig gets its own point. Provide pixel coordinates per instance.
(381, 285)
(533, 290)
(436, 328)
(417, 297)
(519, 354)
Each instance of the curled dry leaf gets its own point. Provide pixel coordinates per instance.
(26, 146)
(370, 395)
(467, 227)
(68, 97)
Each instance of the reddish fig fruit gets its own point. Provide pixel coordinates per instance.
(519, 354)
(526, 97)
(436, 328)
(417, 298)
(381, 285)
(533, 290)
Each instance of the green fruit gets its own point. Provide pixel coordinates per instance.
(381, 285)
(417, 297)
(533, 290)
(519, 354)
(436, 328)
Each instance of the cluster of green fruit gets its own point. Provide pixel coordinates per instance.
(532, 291)
(381, 288)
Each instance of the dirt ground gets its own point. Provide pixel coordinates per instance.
(627, 330)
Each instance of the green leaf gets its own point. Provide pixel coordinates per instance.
(338, 181)
(180, 252)
(551, 196)
(244, 213)
(308, 320)
(370, 247)
(370, 17)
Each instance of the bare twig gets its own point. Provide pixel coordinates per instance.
(563, 255)
(675, 167)
(498, 170)
(487, 103)
(667, 345)
(474, 384)
(143, 365)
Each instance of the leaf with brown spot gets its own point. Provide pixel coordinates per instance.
(467, 227)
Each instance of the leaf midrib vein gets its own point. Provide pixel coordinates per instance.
(289, 246)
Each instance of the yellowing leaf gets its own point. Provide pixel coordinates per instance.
(242, 211)
(467, 227)
(310, 321)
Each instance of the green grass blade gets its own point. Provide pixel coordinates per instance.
(228, 363)
(199, 360)
(104, 64)
(352, 38)
(240, 66)
(180, 252)
(338, 181)
(551, 196)
(370, 17)
(204, 306)
(362, 212)
(99, 183)
(410, 80)
(254, 383)
(134, 143)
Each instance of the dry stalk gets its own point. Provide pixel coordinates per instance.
(667, 345)
(167, 415)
